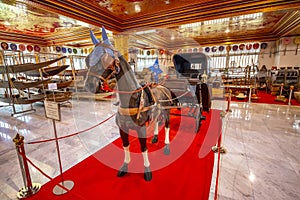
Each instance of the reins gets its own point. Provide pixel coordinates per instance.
(134, 91)
(117, 91)
(98, 76)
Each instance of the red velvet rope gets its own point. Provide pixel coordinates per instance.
(70, 135)
(43, 173)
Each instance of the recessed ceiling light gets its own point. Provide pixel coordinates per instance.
(146, 32)
(172, 37)
(137, 7)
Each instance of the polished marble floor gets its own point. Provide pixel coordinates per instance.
(263, 148)
(262, 143)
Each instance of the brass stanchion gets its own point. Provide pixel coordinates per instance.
(229, 101)
(218, 148)
(250, 94)
(29, 188)
(291, 91)
(67, 185)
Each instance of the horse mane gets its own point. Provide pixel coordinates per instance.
(127, 76)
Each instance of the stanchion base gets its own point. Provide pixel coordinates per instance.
(217, 149)
(25, 192)
(59, 190)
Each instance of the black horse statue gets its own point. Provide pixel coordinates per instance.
(139, 105)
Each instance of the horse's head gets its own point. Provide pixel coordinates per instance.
(102, 62)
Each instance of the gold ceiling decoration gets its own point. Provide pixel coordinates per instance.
(177, 23)
(19, 18)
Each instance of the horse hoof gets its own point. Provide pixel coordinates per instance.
(147, 174)
(154, 139)
(123, 170)
(167, 150)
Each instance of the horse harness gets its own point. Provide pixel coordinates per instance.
(142, 108)
(108, 62)
(114, 65)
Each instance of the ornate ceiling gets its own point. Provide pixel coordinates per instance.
(168, 24)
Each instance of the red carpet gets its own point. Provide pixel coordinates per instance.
(268, 99)
(185, 174)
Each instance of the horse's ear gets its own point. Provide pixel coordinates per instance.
(104, 37)
(93, 37)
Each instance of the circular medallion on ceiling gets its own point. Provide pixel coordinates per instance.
(242, 47)
(221, 48)
(4, 45)
(44, 49)
(29, 48)
(13, 46)
(235, 47)
(69, 50)
(37, 48)
(263, 45)
(75, 51)
(58, 49)
(297, 40)
(64, 50)
(214, 49)
(249, 46)
(22, 47)
(255, 45)
(207, 49)
(228, 48)
(286, 40)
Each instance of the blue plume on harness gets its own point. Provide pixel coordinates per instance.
(155, 70)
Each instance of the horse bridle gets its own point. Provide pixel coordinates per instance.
(114, 67)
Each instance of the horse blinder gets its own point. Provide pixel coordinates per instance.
(107, 60)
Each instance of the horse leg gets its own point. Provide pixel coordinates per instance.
(142, 139)
(155, 137)
(124, 168)
(157, 120)
(167, 135)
